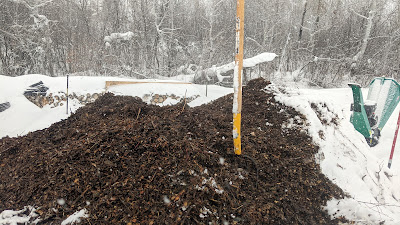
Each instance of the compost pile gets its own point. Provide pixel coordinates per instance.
(127, 162)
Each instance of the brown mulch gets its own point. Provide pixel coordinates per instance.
(127, 162)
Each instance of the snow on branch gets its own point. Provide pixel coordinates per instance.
(359, 14)
(38, 4)
(8, 34)
(40, 20)
(249, 62)
(117, 37)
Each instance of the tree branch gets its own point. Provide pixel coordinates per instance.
(364, 17)
(9, 34)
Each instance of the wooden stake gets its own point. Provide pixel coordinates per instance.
(237, 79)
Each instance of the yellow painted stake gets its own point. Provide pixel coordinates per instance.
(237, 79)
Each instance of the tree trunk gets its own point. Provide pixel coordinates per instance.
(385, 57)
(315, 30)
(302, 21)
(367, 34)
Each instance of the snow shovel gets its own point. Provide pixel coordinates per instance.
(370, 117)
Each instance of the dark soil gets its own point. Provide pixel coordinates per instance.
(127, 162)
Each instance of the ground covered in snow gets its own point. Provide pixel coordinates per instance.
(343, 155)
(23, 116)
(124, 161)
(346, 158)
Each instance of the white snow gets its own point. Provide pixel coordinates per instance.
(76, 217)
(166, 200)
(119, 37)
(261, 58)
(220, 70)
(347, 160)
(10, 217)
(40, 20)
(23, 116)
(155, 88)
(249, 62)
(344, 157)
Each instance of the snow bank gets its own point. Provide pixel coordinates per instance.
(347, 160)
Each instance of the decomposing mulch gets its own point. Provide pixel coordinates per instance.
(127, 162)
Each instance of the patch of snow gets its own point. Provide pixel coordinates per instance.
(170, 101)
(249, 62)
(347, 160)
(268, 124)
(76, 217)
(40, 21)
(290, 124)
(61, 201)
(115, 37)
(261, 58)
(166, 200)
(210, 182)
(221, 161)
(11, 217)
(204, 212)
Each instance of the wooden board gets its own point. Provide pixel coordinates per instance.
(113, 83)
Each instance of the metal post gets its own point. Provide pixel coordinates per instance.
(67, 91)
(394, 142)
(237, 79)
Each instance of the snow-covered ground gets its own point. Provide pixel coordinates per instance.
(344, 156)
(23, 116)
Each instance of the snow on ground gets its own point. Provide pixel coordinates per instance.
(344, 156)
(23, 216)
(203, 94)
(23, 116)
(76, 217)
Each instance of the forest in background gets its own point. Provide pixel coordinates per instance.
(324, 41)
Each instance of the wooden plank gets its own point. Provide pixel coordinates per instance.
(113, 83)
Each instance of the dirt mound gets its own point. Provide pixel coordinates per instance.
(127, 162)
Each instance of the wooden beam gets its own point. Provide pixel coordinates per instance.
(113, 83)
